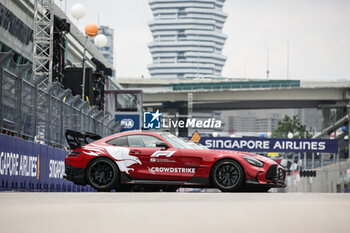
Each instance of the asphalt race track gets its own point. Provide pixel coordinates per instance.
(174, 212)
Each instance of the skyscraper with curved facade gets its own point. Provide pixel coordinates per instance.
(187, 38)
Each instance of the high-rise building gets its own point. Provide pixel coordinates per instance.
(187, 38)
(311, 118)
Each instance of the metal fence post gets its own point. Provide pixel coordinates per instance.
(61, 123)
(18, 93)
(348, 108)
(35, 98)
(1, 117)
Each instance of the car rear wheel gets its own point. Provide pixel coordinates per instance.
(103, 174)
(227, 175)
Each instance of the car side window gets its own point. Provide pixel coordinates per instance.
(119, 141)
(143, 141)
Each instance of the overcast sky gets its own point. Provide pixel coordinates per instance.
(318, 33)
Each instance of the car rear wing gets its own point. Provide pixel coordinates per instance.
(76, 139)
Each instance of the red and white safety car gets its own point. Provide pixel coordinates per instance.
(150, 161)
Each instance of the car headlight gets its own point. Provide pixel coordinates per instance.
(73, 153)
(253, 161)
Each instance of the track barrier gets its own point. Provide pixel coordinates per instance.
(333, 178)
(28, 166)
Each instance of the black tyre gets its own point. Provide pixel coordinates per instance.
(124, 188)
(102, 174)
(143, 188)
(169, 189)
(262, 190)
(150, 188)
(146, 188)
(227, 175)
(255, 189)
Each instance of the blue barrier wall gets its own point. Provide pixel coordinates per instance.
(28, 166)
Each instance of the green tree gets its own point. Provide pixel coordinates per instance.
(292, 125)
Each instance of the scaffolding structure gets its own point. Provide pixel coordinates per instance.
(43, 40)
(35, 107)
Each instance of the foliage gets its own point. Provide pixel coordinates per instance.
(292, 125)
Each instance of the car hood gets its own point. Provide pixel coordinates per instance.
(241, 153)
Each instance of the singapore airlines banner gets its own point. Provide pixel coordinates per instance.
(271, 144)
(26, 165)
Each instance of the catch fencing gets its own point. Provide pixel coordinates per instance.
(333, 178)
(41, 112)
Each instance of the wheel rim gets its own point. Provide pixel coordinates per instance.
(101, 174)
(227, 175)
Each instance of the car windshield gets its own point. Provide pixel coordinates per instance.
(197, 146)
(179, 143)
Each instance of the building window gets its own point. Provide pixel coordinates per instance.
(180, 75)
(181, 37)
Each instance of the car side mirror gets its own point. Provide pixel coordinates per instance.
(162, 144)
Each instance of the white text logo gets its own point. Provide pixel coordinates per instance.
(163, 153)
(128, 123)
(155, 170)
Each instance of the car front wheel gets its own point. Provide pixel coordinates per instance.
(227, 175)
(103, 174)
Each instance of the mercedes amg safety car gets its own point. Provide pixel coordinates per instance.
(150, 161)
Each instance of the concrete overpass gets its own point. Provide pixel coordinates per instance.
(228, 94)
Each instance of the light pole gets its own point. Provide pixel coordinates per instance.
(244, 69)
(267, 62)
(83, 66)
(348, 108)
(91, 30)
(287, 59)
(290, 135)
(78, 11)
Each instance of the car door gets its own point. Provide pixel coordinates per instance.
(191, 160)
(158, 163)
